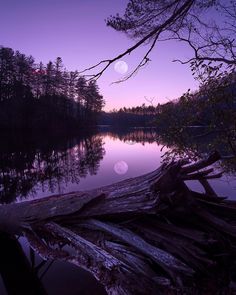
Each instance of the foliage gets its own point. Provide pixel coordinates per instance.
(135, 116)
(42, 96)
(213, 106)
(200, 122)
(206, 27)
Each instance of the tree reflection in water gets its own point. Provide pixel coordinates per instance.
(191, 143)
(49, 166)
(132, 136)
(195, 145)
(23, 170)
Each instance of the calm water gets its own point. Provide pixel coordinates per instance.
(35, 170)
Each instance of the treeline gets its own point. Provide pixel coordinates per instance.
(212, 108)
(138, 116)
(139, 110)
(37, 96)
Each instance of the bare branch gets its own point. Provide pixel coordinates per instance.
(180, 12)
(143, 62)
(179, 20)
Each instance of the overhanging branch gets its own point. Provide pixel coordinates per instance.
(155, 33)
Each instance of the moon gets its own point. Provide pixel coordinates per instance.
(130, 142)
(121, 67)
(121, 167)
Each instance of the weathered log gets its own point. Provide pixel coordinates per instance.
(146, 235)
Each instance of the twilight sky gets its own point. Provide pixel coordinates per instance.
(76, 31)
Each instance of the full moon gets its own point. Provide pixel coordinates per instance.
(130, 142)
(121, 167)
(121, 67)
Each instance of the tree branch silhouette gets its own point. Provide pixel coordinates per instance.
(150, 22)
(155, 33)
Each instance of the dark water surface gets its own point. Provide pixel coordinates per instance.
(45, 167)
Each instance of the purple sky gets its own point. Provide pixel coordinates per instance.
(76, 31)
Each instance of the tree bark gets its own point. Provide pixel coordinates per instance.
(146, 235)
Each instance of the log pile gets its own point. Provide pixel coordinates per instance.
(146, 235)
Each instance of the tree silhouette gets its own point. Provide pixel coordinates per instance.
(38, 96)
(207, 27)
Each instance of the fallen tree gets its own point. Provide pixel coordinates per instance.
(146, 235)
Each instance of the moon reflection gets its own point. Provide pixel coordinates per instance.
(121, 167)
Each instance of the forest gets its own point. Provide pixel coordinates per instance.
(143, 210)
(213, 106)
(48, 97)
(138, 116)
(44, 97)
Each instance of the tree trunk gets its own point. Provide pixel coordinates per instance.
(146, 235)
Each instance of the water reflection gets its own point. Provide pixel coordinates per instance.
(28, 170)
(70, 164)
(134, 135)
(195, 146)
(59, 166)
(23, 272)
(23, 171)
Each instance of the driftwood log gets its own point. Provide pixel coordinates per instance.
(146, 235)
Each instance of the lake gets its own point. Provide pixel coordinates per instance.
(44, 167)
(37, 168)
